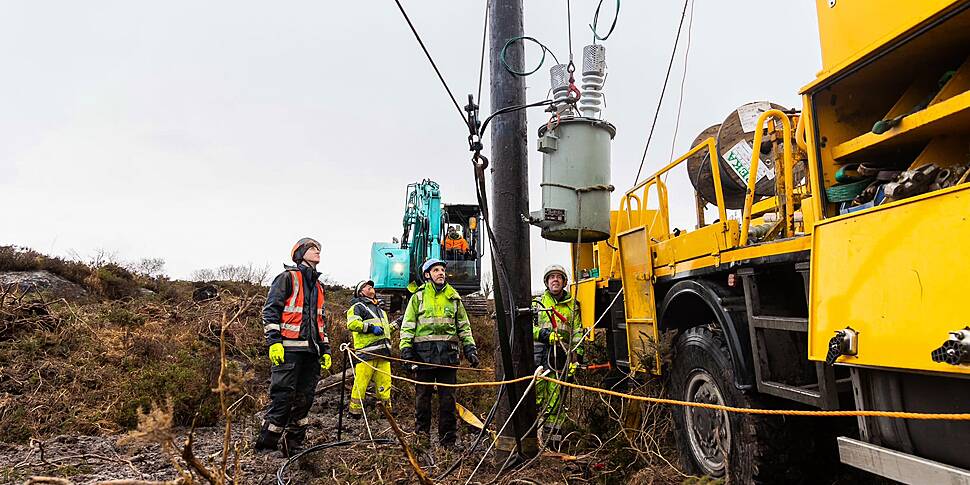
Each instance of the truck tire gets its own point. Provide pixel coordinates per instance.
(743, 448)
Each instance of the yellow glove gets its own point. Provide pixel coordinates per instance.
(572, 368)
(553, 337)
(276, 353)
(325, 361)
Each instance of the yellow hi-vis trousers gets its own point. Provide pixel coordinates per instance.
(363, 374)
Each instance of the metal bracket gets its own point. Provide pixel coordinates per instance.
(956, 349)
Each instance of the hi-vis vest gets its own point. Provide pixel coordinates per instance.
(360, 323)
(293, 311)
(433, 316)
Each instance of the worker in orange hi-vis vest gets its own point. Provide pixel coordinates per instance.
(454, 241)
(294, 326)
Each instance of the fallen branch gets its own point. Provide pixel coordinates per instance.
(422, 476)
(194, 462)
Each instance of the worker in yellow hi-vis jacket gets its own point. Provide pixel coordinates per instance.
(371, 331)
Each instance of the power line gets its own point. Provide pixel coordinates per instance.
(481, 63)
(683, 80)
(663, 90)
(437, 71)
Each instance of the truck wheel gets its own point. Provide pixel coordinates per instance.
(717, 443)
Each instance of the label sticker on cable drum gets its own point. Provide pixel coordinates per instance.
(748, 114)
(739, 159)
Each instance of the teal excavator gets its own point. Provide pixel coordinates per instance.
(431, 230)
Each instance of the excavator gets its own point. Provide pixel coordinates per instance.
(427, 226)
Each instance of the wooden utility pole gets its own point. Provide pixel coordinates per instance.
(510, 200)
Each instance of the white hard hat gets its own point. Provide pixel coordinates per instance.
(555, 268)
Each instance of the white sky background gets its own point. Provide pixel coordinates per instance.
(219, 132)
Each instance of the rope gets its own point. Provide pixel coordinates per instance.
(538, 372)
(363, 410)
(580, 190)
(405, 361)
(675, 402)
(442, 384)
(774, 412)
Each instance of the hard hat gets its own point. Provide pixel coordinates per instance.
(299, 249)
(431, 263)
(361, 285)
(555, 268)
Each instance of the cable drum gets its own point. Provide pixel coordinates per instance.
(734, 145)
(702, 178)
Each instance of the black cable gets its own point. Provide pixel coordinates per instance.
(663, 90)
(683, 80)
(504, 61)
(596, 19)
(323, 446)
(481, 64)
(431, 60)
(509, 109)
(569, 28)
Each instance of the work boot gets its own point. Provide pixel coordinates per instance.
(269, 437)
(451, 446)
(293, 441)
(291, 447)
(448, 440)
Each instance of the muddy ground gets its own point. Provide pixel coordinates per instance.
(92, 459)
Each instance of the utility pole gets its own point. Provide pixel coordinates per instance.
(510, 200)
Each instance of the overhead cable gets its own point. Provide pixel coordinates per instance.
(663, 90)
(437, 71)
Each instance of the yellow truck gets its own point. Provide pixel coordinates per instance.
(834, 273)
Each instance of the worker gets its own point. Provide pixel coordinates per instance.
(371, 331)
(552, 344)
(293, 323)
(435, 324)
(455, 242)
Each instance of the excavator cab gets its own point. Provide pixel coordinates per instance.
(461, 246)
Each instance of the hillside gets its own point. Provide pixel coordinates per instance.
(105, 371)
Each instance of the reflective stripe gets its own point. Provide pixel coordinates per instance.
(293, 309)
(436, 338)
(273, 428)
(302, 422)
(291, 328)
(296, 343)
(271, 326)
(380, 345)
(408, 325)
(433, 320)
(326, 339)
(296, 276)
(465, 334)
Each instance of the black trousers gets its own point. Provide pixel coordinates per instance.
(447, 415)
(291, 390)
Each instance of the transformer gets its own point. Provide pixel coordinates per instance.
(575, 146)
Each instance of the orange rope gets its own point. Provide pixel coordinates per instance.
(778, 412)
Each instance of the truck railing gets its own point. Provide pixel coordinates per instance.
(640, 193)
(753, 174)
(655, 180)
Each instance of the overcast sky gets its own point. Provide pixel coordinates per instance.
(219, 132)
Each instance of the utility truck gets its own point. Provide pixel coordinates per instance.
(828, 265)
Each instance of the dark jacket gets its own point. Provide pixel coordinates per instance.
(279, 291)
